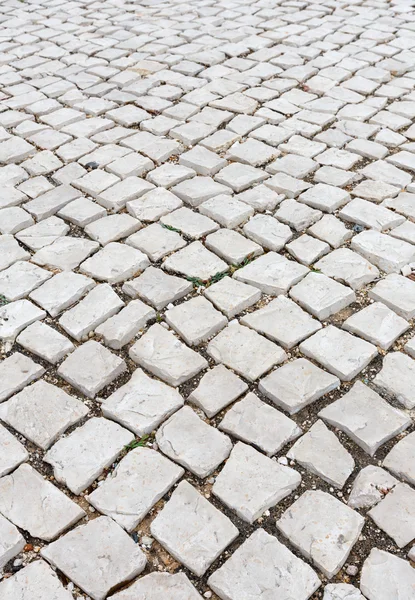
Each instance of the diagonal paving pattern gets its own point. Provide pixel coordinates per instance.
(207, 294)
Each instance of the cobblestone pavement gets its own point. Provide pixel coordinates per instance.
(207, 290)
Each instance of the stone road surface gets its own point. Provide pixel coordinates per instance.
(207, 299)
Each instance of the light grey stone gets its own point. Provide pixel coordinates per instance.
(232, 246)
(397, 378)
(324, 197)
(199, 189)
(287, 185)
(217, 388)
(15, 316)
(79, 458)
(12, 454)
(61, 291)
(296, 384)
(403, 204)
(203, 161)
(231, 296)
(340, 352)
(120, 329)
(189, 223)
(364, 416)
(395, 514)
(11, 252)
(45, 341)
(161, 353)
(42, 234)
(272, 273)
(115, 263)
(331, 230)
(297, 215)
(65, 253)
(377, 324)
(154, 204)
(341, 591)
(156, 241)
(51, 202)
(386, 576)
(260, 198)
(307, 249)
(308, 524)
(195, 320)
(157, 288)
(320, 452)
(84, 553)
(169, 174)
(321, 295)
(20, 279)
(370, 215)
(192, 530)
(250, 483)
(348, 267)
(226, 210)
(400, 460)
(42, 412)
(49, 512)
(36, 579)
(16, 371)
(195, 261)
(376, 191)
(91, 367)
(386, 173)
(13, 219)
(138, 482)
(191, 442)
(255, 422)
(120, 194)
(282, 321)
(142, 403)
(398, 293)
(112, 228)
(370, 486)
(159, 586)
(11, 542)
(262, 564)
(268, 232)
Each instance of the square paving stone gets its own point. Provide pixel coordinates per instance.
(191, 442)
(195, 261)
(156, 241)
(348, 267)
(199, 189)
(42, 234)
(297, 215)
(157, 288)
(387, 253)
(398, 293)
(100, 304)
(260, 198)
(65, 253)
(226, 210)
(79, 458)
(395, 514)
(37, 580)
(42, 412)
(245, 351)
(46, 342)
(12, 452)
(84, 554)
(115, 263)
(135, 486)
(190, 223)
(17, 315)
(240, 177)
(202, 160)
(263, 564)
(386, 576)
(82, 212)
(370, 215)
(321, 295)
(308, 524)
(324, 197)
(282, 321)
(272, 273)
(231, 296)
(232, 246)
(217, 388)
(161, 353)
(195, 320)
(339, 351)
(370, 486)
(377, 324)
(366, 417)
(331, 230)
(154, 204)
(159, 586)
(91, 367)
(297, 384)
(268, 232)
(142, 403)
(120, 329)
(49, 511)
(61, 291)
(250, 482)
(16, 371)
(255, 422)
(20, 279)
(112, 228)
(192, 530)
(169, 174)
(10, 251)
(400, 459)
(397, 378)
(320, 452)
(11, 542)
(307, 249)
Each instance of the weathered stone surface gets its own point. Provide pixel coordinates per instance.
(49, 512)
(192, 530)
(384, 251)
(347, 267)
(377, 324)
(341, 591)
(308, 524)
(370, 486)
(232, 297)
(272, 274)
(115, 263)
(12, 452)
(397, 378)
(398, 293)
(61, 291)
(217, 388)
(16, 316)
(320, 452)
(159, 586)
(395, 514)
(400, 459)
(195, 320)
(386, 576)
(37, 580)
(79, 458)
(84, 554)
(11, 542)
(191, 442)
(157, 288)
(135, 486)
(120, 329)
(16, 371)
(321, 295)
(20, 279)
(263, 563)
(44, 341)
(255, 422)
(161, 353)
(195, 261)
